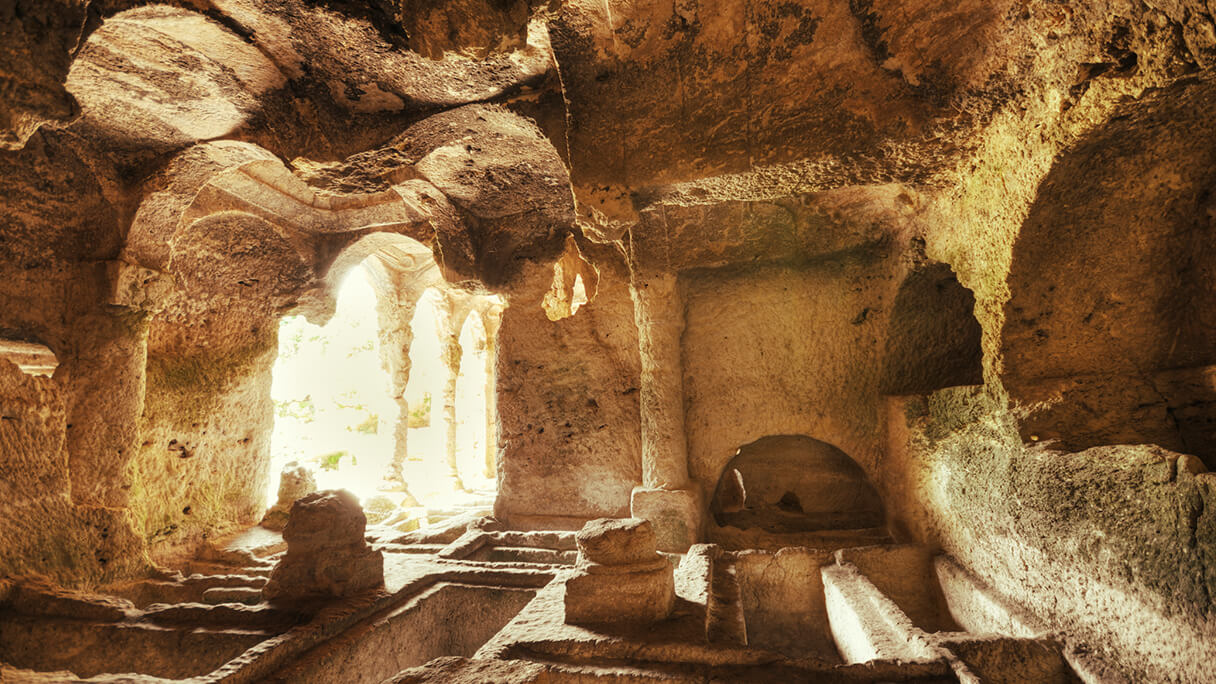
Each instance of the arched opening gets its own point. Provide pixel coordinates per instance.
(788, 484)
(425, 464)
(391, 398)
(933, 338)
(334, 413)
(474, 459)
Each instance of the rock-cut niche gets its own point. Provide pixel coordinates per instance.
(793, 483)
(933, 339)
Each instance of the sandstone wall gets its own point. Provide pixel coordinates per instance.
(70, 437)
(569, 435)
(44, 532)
(1073, 226)
(783, 350)
(1113, 546)
(204, 457)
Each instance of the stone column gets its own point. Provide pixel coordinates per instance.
(398, 346)
(491, 319)
(665, 497)
(450, 330)
(396, 300)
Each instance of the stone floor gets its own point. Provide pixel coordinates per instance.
(469, 602)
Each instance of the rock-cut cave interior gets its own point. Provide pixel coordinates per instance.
(607, 341)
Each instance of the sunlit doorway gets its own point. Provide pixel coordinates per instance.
(392, 398)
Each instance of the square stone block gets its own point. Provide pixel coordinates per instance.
(676, 515)
(621, 593)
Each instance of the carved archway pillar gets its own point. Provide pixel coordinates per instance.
(665, 497)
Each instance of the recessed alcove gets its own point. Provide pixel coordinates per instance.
(790, 484)
(933, 337)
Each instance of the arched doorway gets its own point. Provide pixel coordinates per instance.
(391, 399)
(334, 411)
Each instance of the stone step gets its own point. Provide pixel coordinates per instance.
(246, 595)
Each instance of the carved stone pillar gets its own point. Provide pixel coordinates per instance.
(396, 348)
(665, 497)
(451, 315)
(396, 300)
(491, 319)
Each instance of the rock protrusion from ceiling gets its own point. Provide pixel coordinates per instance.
(357, 56)
(40, 39)
(471, 28)
(574, 283)
(158, 78)
(479, 185)
(505, 178)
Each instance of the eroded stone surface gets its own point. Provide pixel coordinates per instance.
(619, 576)
(622, 541)
(327, 556)
(295, 482)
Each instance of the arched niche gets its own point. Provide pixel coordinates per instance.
(933, 337)
(1106, 336)
(786, 484)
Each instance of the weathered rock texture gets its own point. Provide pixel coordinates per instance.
(568, 404)
(40, 39)
(619, 576)
(967, 245)
(295, 482)
(327, 556)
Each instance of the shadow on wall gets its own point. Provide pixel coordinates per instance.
(793, 483)
(1107, 334)
(933, 338)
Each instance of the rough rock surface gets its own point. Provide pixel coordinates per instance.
(39, 38)
(791, 484)
(295, 482)
(966, 243)
(327, 556)
(592, 456)
(619, 576)
(624, 541)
